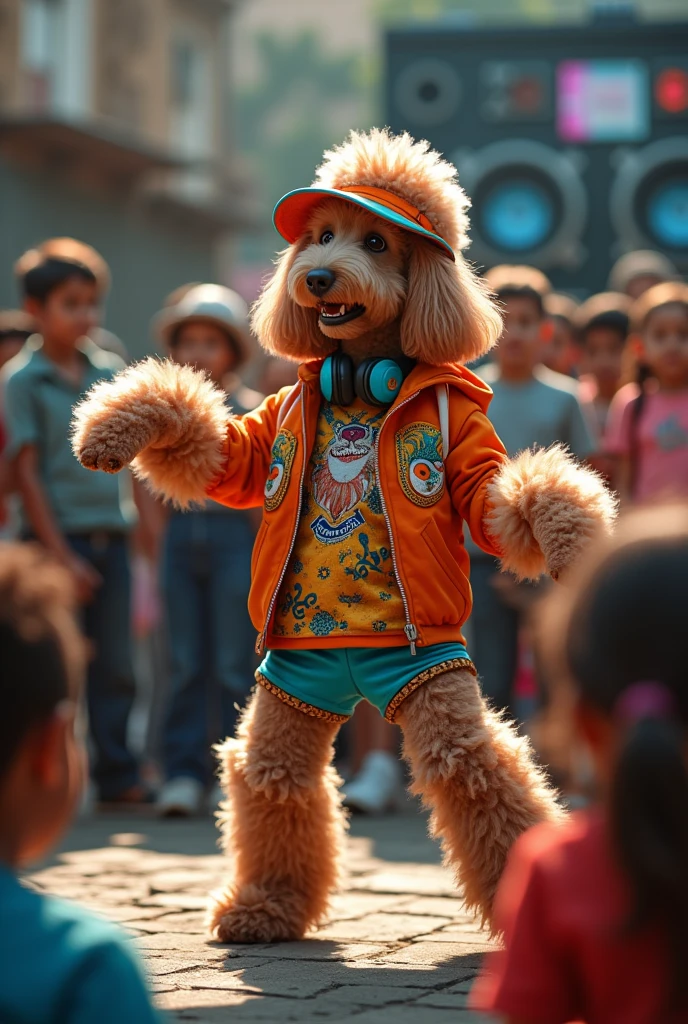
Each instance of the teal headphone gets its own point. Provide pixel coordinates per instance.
(376, 381)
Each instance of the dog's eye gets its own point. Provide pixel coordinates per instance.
(326, 237)
(375, 243)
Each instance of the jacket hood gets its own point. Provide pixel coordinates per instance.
(425, 376)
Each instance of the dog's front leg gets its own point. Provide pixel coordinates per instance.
(282, 823)
(478, 777)
(168, 421)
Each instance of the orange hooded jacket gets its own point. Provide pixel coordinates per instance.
(268, 451)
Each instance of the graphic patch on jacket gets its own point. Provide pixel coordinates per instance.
(420, 462)
(282, 457)
(340, 579)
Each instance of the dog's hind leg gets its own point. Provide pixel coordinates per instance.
(478, 777)
(282, 824)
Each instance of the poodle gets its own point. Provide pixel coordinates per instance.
(366, 470)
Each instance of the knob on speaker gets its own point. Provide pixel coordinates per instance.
(428, 92)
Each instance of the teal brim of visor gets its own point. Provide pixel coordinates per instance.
(291, 214)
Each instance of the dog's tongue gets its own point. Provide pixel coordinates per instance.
(332, 308)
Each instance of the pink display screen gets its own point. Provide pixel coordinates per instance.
(603, 101)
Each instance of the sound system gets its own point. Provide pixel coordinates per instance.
(571, 141)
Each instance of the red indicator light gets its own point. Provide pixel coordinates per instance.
(671, 90)
(526, 95)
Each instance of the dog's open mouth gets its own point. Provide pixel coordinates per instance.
(333, 313)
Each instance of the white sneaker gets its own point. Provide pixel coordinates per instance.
(180, 798)
(378, 785)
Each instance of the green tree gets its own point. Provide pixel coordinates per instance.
(305, 101)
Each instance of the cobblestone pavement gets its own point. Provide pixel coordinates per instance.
(399, 945)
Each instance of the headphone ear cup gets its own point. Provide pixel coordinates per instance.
(337, 379)
(326, 379)
(378, 381)
(362, 381)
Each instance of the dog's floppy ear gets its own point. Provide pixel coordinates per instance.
(281, 325)
(449, 316)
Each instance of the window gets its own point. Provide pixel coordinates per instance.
(191, 122)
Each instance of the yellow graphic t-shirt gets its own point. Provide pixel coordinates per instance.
(340, 579)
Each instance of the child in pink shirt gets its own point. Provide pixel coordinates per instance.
(648, 435)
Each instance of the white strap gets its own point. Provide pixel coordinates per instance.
(287, 404)
(442, 393)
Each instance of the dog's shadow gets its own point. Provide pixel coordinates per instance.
(320, 979)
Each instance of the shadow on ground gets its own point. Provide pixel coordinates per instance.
(399, 945)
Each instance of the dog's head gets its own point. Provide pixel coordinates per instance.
(350, 273)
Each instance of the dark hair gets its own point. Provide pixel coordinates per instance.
(636, 406)
(521, 292)
(518, 282)
(40, 281)
(613, 320)
(608, 310)
(41, 651)
(625, 623)
(39, 271)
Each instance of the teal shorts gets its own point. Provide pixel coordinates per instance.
(329, 683)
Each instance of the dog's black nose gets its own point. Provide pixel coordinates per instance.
(319, 281)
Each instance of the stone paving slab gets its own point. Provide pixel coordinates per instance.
(399, 945)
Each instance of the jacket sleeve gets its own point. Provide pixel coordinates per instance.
(476, 456)
(249, 446)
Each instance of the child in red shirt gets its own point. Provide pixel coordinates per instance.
(595, 912)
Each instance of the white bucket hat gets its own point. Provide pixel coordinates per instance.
(214, 304)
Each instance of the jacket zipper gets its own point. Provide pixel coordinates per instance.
(260, 643)
(410, 630)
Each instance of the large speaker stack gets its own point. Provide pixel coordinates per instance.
(572, 142)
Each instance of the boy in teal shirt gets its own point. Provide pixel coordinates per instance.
(82, 520)
(59, 964)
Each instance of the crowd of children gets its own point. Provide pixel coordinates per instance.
(607, 377)
(91, 523)
(580, 906)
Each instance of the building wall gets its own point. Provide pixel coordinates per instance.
(147, 261)
(9, 53)
(109, 65)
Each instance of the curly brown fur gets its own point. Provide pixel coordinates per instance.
(545, 508)
(437, 309)
(448, 316)
(282, 325)
(478, 777)
(282, 822)
(409, 169)
(168, 420)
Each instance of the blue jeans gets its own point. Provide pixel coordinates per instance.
(206, 579)
(494, 633)
(111, 686)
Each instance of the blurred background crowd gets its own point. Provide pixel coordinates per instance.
(159, 134)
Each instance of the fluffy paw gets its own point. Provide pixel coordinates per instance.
(109, 458)
(253, 914)
(545, 510)
(110, 440)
